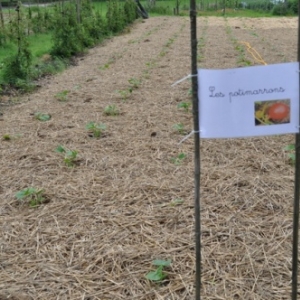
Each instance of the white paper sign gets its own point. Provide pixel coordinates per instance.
(251, 101)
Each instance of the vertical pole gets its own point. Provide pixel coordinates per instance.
(193, 21)
(296, 197)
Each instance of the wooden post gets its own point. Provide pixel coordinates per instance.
(194, 72)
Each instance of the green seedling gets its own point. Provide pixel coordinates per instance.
(42, 117)
(291, 152)
(134, 82)
(111, 110)
(6, 137)
(170, 42)
(158, 274)
(176, 202)
(179, 127)
(178, 159)
(125, 93)
(184, 105)
(62, 96)
(104, 67)
(162, 53)
(32, 195)
(96, 129)
(150, 64)
(69, 155)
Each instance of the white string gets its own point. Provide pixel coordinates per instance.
(189, 135)
(183, 79)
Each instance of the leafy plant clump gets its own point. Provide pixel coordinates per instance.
(291, 152)
(70, 156)
(125, 93)
(184, 105)
(42, 117)
(6, 137)
(178, 159)
(135, 83)
(96, 129)
(111, 110)
(158, 274)
(32, 195)
(179, 127)
(62, 96)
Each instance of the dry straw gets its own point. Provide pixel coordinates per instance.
(117, 210)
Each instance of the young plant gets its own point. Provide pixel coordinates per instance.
(111, 110)
(178, 159)
(69, 155)
(6, 137)
(125, 93)
(32, 195)
(179, 127)
(158, 274)
(291, 152)
(62, 96)
(134, 82)
(42, 117)
(184, 105)
(96, 129)
(176, 202)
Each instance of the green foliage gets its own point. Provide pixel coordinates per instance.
(70, 156)
(111, 110)
(291, 152)
(179, 127)
(42, 117)
(96, 129)
(62, 96)
(129, 11)
(125, 93)
(184, 105)
(17, 67)
(67, 33)
(158, 274)
(135, 83)
(178, 159)
(176, 202)
(115, 16)
(6, 137)
(32, 195)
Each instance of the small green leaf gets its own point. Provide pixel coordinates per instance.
(161, 262)
(156, 275)
(60, 149)
(181, 156)
(289, 147)
(292, 157)
(176, 202)
(42, 117)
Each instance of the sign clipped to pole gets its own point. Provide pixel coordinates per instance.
(252, 101)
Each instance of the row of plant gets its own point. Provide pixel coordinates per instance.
(72, 30)
(242, 60)
(134, 82)
(35, 197)
(266, 41)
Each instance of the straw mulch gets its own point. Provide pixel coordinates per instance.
(126, 203)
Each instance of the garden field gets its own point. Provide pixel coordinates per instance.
(98, 147)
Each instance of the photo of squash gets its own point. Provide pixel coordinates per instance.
(272, 112)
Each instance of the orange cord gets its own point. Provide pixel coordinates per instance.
(254, 53)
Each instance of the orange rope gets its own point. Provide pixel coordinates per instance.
(254, 53)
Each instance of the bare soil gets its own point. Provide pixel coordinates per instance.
(126, 203)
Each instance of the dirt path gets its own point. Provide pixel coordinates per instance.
(126, 202)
